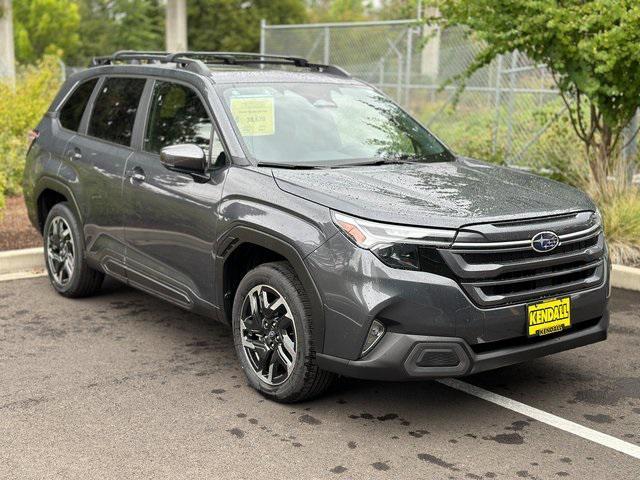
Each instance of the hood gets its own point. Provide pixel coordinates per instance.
(445, 194)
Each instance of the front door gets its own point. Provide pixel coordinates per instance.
(170, 219)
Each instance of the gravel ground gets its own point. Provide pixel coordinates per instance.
(15, 229)
(125, 386)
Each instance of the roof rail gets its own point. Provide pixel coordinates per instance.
(246, 58)
(197, 61)
(128, 55)
(134, 56)
(233, 58)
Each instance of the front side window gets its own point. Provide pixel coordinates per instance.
(72, 110)
(176, 116)
(326, 124)
(115, 109)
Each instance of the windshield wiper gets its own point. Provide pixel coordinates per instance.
(300, 166)
(409, 158)
(374, 162)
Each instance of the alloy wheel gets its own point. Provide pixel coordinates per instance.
(268, 334)
(60, 251)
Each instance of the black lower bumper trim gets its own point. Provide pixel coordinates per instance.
(401, 356)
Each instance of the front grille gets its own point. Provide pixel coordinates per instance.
(494, 271)
(525, 284)
(529, 253)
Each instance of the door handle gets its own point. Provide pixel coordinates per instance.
(137, 176)
(76, 154)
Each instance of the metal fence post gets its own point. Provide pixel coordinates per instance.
(263, 33)
(512, 94)
(630, 150)
(635, 123)
(327, 45)
(631, 147)
(409, 60)
(496, 127)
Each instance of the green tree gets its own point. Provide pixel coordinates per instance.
(111, 25)
(397, 9)
(45, 26)
(338, 10)
(234, 25)
(591, 46)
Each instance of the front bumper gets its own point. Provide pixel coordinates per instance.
(414, 357)
(433, 328)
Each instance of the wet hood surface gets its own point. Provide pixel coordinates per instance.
(446, 194)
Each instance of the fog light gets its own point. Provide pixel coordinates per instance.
(373, 337)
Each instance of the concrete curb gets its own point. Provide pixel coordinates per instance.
(16, 261)
(625, 277)
(6, 277)
(30, 262)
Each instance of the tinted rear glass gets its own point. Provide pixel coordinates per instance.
(72, 110)
(115, 109)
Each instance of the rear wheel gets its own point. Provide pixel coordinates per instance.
(272, 335)
(64, 255)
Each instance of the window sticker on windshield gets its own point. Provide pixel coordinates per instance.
(254, 115)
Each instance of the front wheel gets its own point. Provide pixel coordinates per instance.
(272, 335)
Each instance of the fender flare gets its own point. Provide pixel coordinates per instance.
(50, 183)
(240, 235)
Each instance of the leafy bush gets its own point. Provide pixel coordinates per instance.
(621, 215)
(21, 107)
(619, 203)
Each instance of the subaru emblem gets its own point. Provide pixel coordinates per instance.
(545, 241)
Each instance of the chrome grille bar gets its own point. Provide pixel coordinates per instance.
(504, 272)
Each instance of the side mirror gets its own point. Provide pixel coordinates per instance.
(186, 158)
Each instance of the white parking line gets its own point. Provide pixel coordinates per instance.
(544, 417)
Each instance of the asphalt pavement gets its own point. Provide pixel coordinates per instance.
(123, 385)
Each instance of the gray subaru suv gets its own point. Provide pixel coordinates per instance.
(325, 225)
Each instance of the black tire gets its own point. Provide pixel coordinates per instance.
(83, 281)
(306, 379)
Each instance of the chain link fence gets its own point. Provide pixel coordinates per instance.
(510, 110)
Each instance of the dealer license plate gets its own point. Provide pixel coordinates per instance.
(547, 317)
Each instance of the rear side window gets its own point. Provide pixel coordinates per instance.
(115, 109)
(177, 116)
(71, 112)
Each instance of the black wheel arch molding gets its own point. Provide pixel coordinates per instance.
(240, 235)
(46, 182)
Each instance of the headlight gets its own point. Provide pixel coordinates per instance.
(396, 245)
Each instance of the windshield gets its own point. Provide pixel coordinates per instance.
(302, 124)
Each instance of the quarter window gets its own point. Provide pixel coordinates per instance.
(115, 109)
(177, 115)
(71, 112)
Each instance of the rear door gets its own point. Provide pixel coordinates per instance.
(64, 133)
(106, 147)
(171, 216)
